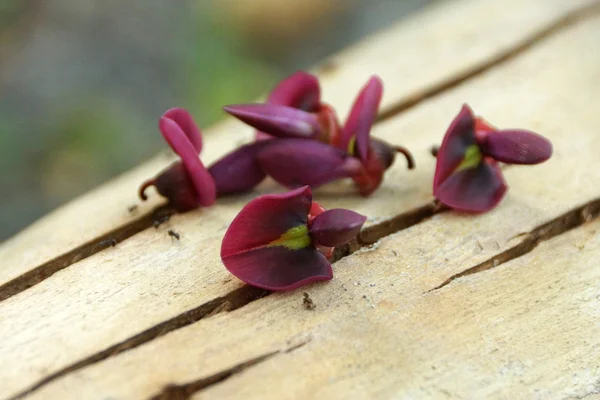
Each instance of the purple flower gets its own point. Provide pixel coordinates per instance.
(467, 174)
(375, 155)
(292, 163)
(186, 183)
(278, 241)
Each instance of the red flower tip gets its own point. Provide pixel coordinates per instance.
(467, 175)
(336, 227)
(277, 120)
(297, 162)
(187, 184)
(268, 243)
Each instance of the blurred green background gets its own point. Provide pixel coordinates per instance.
(83, 82)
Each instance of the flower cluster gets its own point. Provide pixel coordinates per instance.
(300, 142)
(283, 241)
(294, 112)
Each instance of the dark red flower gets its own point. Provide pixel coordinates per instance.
(302, 92)
(186, 183)
(293, 109)
(467, 174)
(319, 123)
(275, 243)
(376, 155)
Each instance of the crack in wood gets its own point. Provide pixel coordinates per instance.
(231, 301)
(248, 294)
(509, 54)
(373, 233)
(110, 239)
(562, 224)
(184, 391)
(239, 297)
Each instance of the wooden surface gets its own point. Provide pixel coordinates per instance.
(158, 317)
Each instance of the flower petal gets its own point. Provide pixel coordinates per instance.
(516, 146)
(476, 189)
(187, 124)
(265, 219)
(180, 143)
(239, 171)
(299, 90)
(336, 227)
(277, 268)
(296, 162)
(459, 137)
(277, 120)
(361, 118)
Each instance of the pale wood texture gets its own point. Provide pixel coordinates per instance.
(527, 328)
(442, 43)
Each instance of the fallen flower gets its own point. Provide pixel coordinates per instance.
(376, 155)
(278, 241)
(186, 183)
(467, 175)
(319, 123)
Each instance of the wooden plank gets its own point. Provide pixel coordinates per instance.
(527, 329)
(136, 286)
(458, 41)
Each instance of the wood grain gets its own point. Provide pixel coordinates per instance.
(415, 62)
(120, 292)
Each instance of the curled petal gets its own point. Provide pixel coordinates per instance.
(277, 120)
(361, 118)
(296, 162)
(515, 146)
(299, 90)
(197, 173)
(459, 137)
(187, 124)
(336, 227)
(239, 171)
(475, 189)
(265, 219)
(277, 268)
(174, 184)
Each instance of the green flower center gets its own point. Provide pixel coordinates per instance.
(472, 158)
(295, 238)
